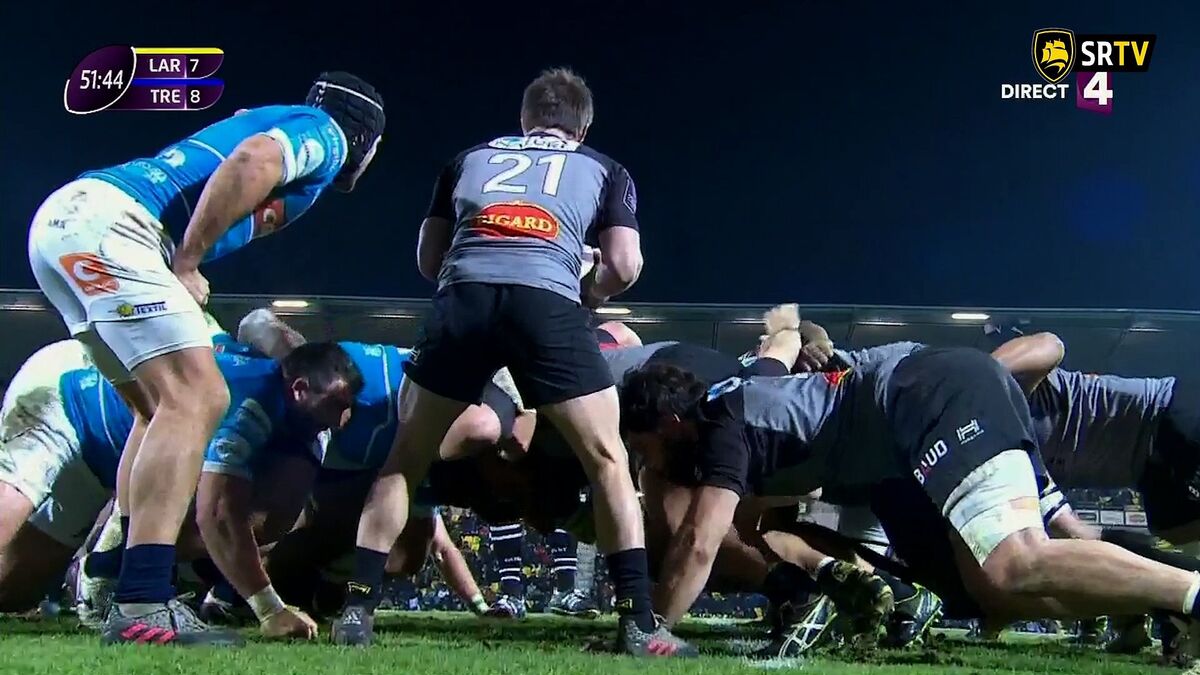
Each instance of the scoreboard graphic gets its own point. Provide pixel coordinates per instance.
(120, 77)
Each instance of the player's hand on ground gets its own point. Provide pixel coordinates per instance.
(814, 356)
(292, 622)
(195, 283)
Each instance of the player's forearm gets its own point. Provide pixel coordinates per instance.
(616, 274)
(1031, 358)
(455, 571)
(238, 185)
(230, 542)
(268, 334)
(687, 566)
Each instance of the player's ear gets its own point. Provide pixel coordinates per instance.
(300, 388)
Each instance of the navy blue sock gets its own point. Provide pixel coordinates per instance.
(146, 574)
(631, 584)
(107, 564)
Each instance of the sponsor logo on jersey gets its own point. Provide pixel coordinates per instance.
(969, 432)
(126, 310)
(268, 217)
(929, 459)
(90, 273)
(516, 219)
(534, 143)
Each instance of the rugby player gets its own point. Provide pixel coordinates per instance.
(942, 439)
(353, 455)
(103, 252)
(83, 427)
(504, 238)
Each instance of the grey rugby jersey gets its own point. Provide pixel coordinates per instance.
(1096, 431)
(789, 435)
(521, 208)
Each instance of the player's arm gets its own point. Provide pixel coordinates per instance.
(224, 514)
(1030, 358)
(242, 181)
(454, 568)
(281, 494)
(437, 230)
(620, 261)
(268, 334)
(693, 549)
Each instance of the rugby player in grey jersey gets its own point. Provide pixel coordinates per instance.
(942, 439)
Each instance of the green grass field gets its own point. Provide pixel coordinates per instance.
(415, 644)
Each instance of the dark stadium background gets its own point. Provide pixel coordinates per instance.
(824, 152)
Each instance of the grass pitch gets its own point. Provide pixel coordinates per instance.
(447, 644)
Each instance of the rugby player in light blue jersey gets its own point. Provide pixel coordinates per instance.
(68, 440)
(117, 251)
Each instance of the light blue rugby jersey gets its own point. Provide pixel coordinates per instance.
(254, 428)
(169, 184)
(365, 442)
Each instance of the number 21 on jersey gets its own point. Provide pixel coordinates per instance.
(516, 164)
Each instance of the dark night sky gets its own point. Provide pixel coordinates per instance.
(819, 152)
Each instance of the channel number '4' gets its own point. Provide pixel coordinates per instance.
(520, 164)
(1097, 89)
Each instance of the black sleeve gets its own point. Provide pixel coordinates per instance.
(722, 457)
(442, 203)
(618, 204)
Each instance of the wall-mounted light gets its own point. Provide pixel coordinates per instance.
(613, 311)
(290, 304)
(970, 316)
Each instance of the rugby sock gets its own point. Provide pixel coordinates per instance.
(106, 564)
(630, 576)
(366, 585)
(563, 547)
(508, 543)
(786, 581)
(145, 577)
(900, 590)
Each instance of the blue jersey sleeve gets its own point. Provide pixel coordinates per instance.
(255, 415)
(314, 147)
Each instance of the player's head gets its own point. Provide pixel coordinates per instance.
(321, 383)
(658, 404)
(358, 110)
(557, 99)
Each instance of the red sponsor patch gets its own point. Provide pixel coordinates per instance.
(268, 217)
(516, 219)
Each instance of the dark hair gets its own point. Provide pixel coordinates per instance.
(355, 106)
(557, 99)
(323, 364)
(655, 390)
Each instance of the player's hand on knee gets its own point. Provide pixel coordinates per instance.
(291, 622)
(195, 283)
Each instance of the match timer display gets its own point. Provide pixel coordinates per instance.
(120, 77)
